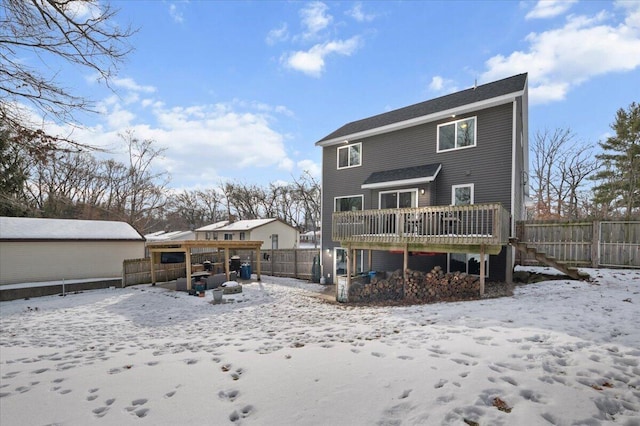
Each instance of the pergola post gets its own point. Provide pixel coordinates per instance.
(226, 262)
(187, 260)
(258, 262)
(153, 268)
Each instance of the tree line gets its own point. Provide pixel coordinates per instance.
(70, 184)
(48, 175)
(570, 179)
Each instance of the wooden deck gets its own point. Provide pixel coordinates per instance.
(445, 229)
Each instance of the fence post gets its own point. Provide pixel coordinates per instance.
(595, 244)
(295, 263)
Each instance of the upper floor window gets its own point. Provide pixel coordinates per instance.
(243, 236)
(349, 156)
(228, 237)
(457, 134)
(347, 204)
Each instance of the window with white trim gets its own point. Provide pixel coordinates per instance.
(462, 194)
(468, 263)
(243, 236)
(349, 156)
(457, 134)
(398, 199)
(228, 237)
(347, 204)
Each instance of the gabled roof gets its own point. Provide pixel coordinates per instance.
(249, 224)
(483, 95)
(170, 236)
(28, 228)
(214, 226)
(405, 176)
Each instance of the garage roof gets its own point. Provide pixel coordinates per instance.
(28, 228)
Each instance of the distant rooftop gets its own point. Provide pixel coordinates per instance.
(28, 228)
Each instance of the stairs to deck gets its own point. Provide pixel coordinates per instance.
(548, 260)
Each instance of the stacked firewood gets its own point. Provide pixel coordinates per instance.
(437, 285)
(420, 287)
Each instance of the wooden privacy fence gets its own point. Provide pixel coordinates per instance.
(596, 243)
(294, 263)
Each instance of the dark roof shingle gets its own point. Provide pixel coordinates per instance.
(427, 171)
(480, 93)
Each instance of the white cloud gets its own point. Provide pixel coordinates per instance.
(315, 18)
(130, 84)
(549, 8)
(359, 15)
(560, 59)
(176, 14)
(441, 85)
(310, 166)
(278, 34)
(312, 61)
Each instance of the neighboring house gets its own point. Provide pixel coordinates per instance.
(207, 232)
(275, 233)
(168, 236)
(438, 183)
(45, 250)
(310, 239)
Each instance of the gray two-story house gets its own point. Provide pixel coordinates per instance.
(438, 183)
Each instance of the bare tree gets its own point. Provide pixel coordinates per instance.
(308, 191)
(211, 203)
(561, 166)
(84, 33)
(145, 188)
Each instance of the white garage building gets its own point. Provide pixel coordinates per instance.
(37, 252)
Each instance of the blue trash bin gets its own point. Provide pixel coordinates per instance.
(245, 271)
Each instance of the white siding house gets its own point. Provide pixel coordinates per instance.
(274, 233)
(44, 250)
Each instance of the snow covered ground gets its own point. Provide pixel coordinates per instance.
(557, 352)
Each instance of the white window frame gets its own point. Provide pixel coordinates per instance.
(228, 236)
(335, 200)
(455, 137)
(243, 236)
(398, 191)
(464, 185)
(359, 264)
(466, 263)
(348, 147)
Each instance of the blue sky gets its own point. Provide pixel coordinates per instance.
(242, 90)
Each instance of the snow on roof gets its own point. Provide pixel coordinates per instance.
(244, 225)
(170, 236)
(213, 226)
(27, 228)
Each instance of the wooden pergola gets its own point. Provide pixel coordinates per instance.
(156, 248)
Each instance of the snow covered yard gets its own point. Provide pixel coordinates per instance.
(557, 352)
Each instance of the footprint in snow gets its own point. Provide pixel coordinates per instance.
(229, 395)
(244, 412)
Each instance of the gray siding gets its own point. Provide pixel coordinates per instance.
(487, 166)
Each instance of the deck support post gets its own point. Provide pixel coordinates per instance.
(482, 270)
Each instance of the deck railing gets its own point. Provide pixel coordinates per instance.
(474, 224)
